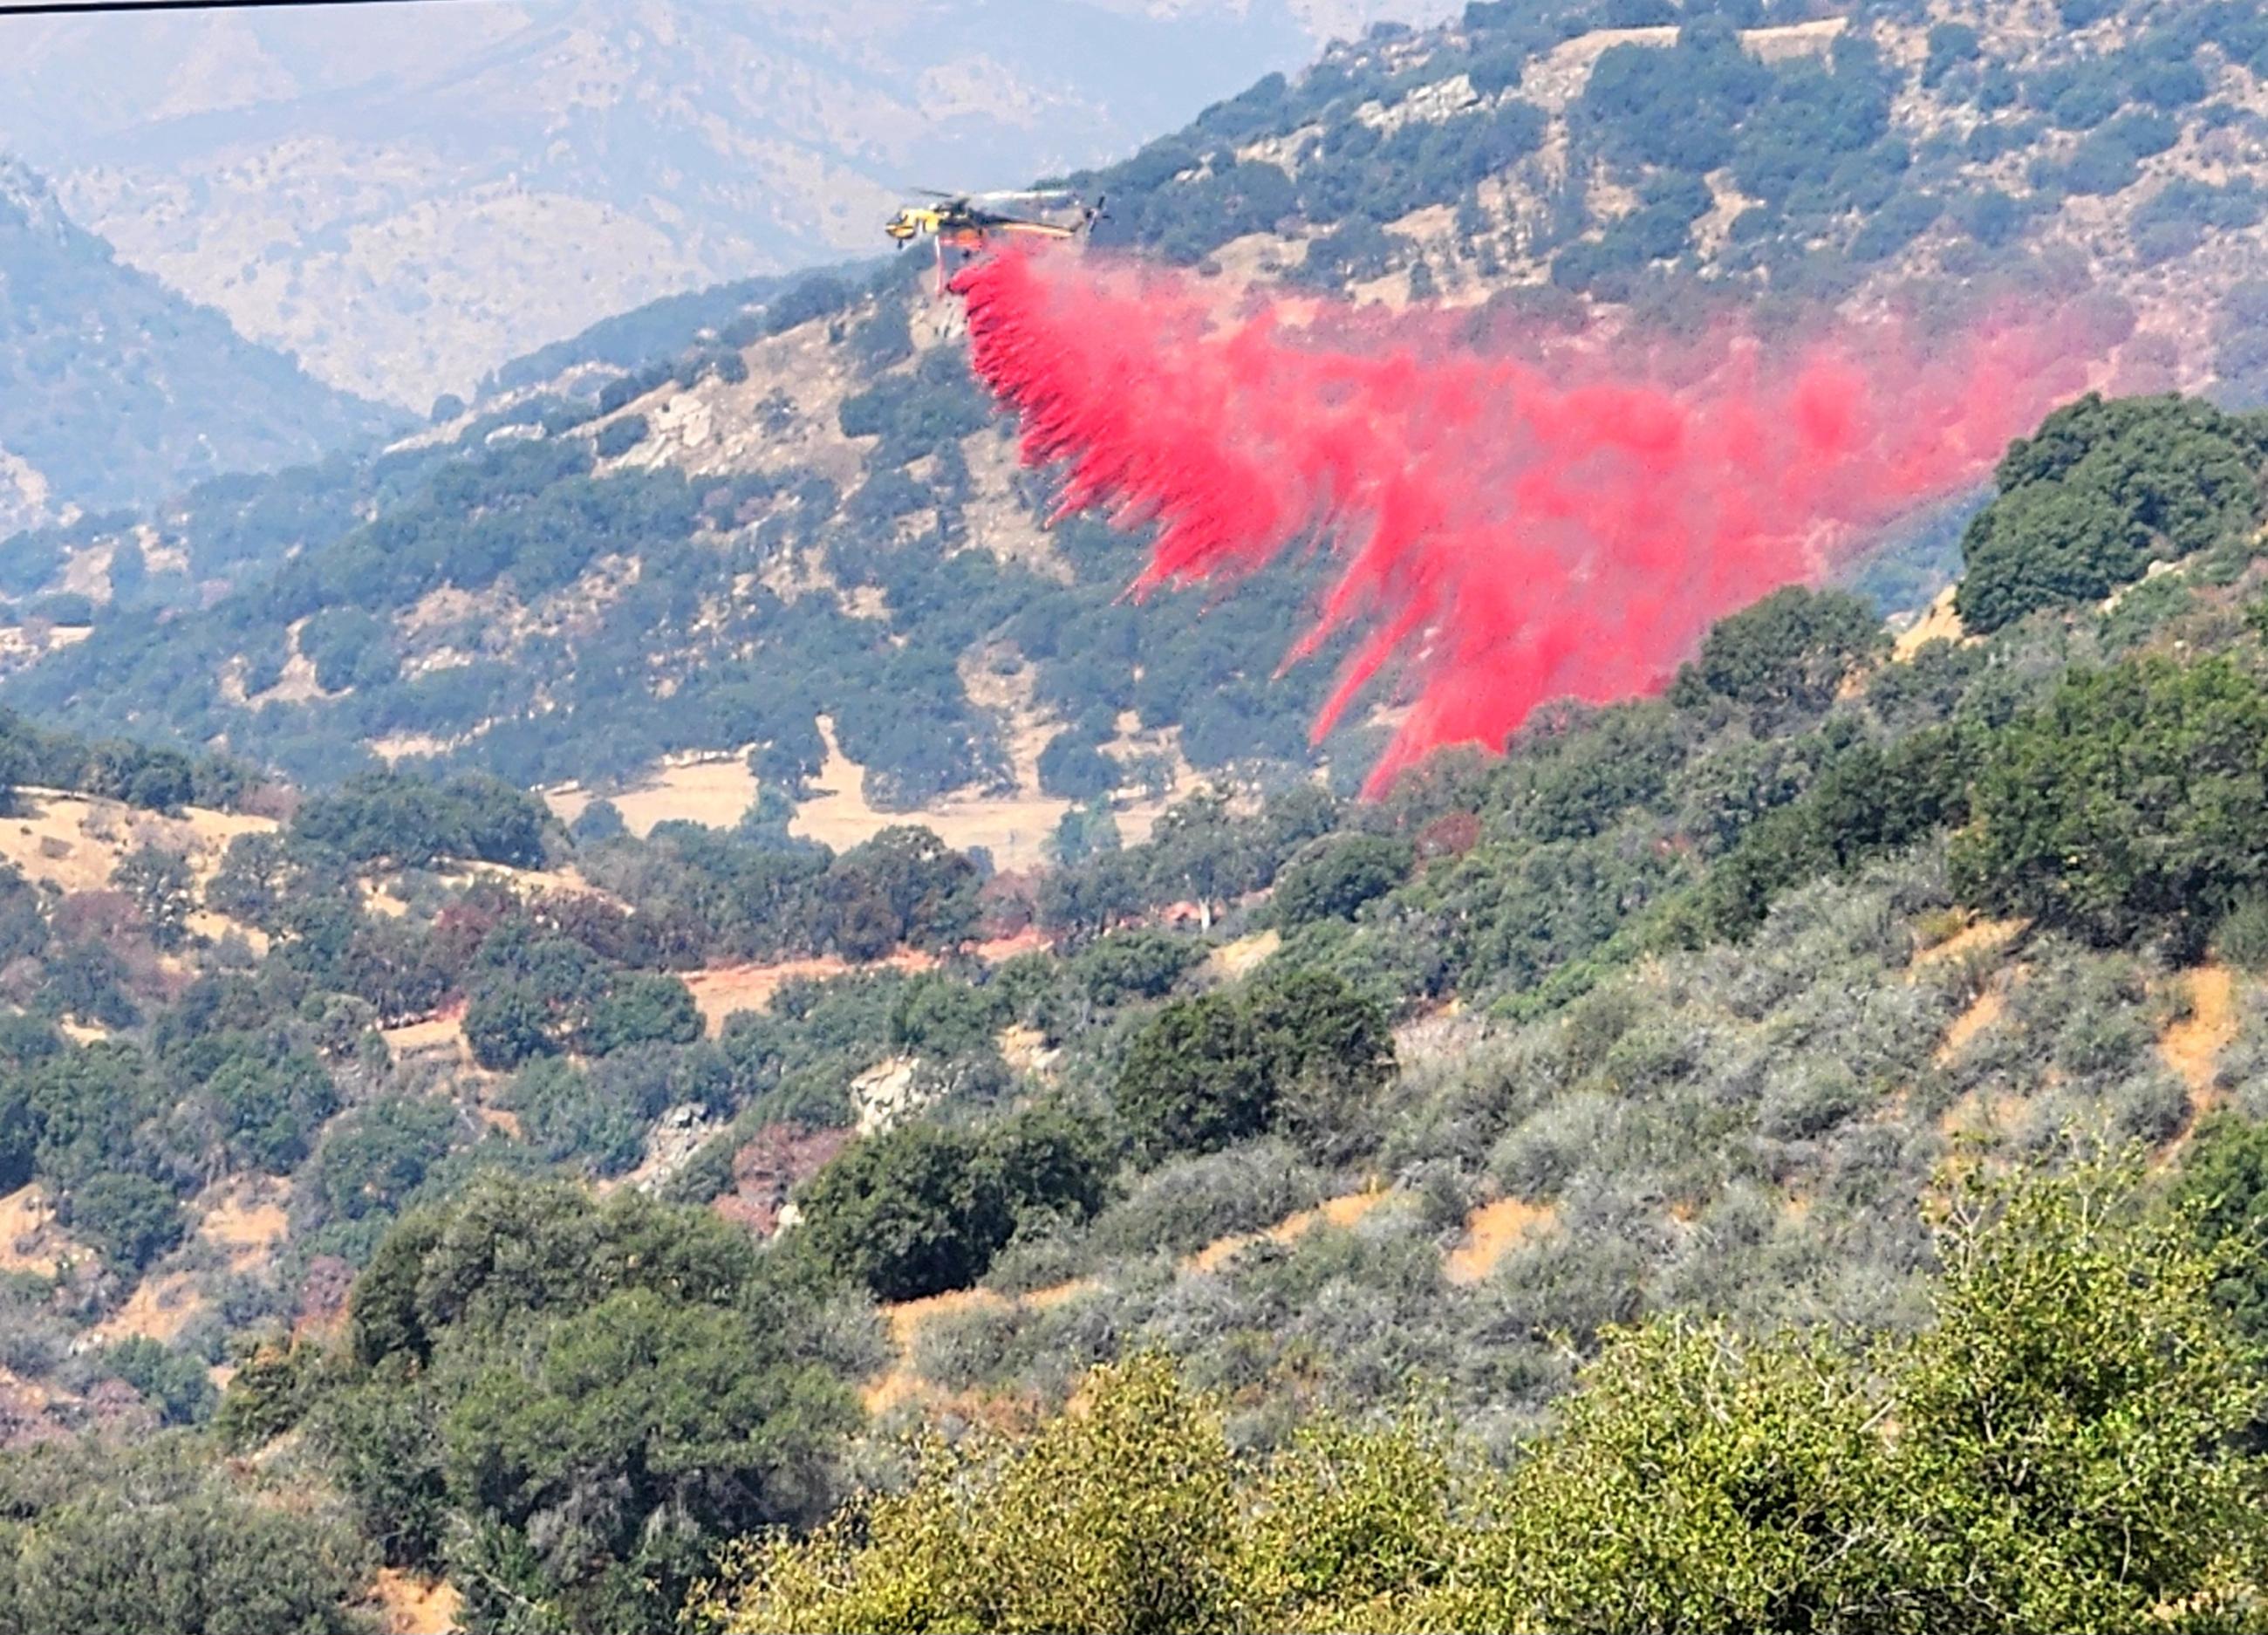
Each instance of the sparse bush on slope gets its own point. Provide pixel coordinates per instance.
(2054, 1449)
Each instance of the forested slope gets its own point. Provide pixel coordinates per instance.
(813, 512)
(560, 1226)
(1732, 1015)
(117, 391)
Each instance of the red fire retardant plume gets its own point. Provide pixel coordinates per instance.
(1533, 515)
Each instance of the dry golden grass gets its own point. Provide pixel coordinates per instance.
(247, 1221)
(1981, 1118)
(30, 1240)
(1492, 1231)
(721, 991)
(1240, 958)
(436, 1036)
(1026, 1049)
(38, 638)
(158, 1309)
(717, 793)
(1014, 828)
(464, 872)
(73, 842)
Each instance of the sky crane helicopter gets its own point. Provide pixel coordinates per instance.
(968, 222)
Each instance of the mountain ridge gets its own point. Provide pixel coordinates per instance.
(401, 227)
(118, 391)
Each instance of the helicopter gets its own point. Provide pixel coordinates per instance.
(969, 222)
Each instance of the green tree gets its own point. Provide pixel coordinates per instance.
(1784, 657)
(2104, 489)
(641, 1008)
(1136, 964)
(1196, 1079)
(597, 823)
(157, 1538)
(2224, 1182)
(1121, 1518)
(162, 889)
(2130, 804)
(1329, 1050)
(269, 1111)
(603, 1459)
(2055, 1449)
(507, 1023)
(131, 1218)
(1334, 877)
(175, 1382)
(924, 1207)
(573, 1405)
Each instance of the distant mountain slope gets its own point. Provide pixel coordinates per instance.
(808, 522)
(115, 390)
(395, 203)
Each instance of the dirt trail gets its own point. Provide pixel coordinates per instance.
(1983, 1012)
(2192, 1048)
(1984, 936)
(1341, 1211)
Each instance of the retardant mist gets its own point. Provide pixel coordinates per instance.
(1520, 512)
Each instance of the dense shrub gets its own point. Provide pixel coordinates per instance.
(1783, 657)
(925, 1207)
(2130, 806)
(2100, 490)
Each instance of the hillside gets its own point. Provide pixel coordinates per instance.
(1701, 1057)
(661, 1007)
(118, 391)
(393, 205)
(807, 510)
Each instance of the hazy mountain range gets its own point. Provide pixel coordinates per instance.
(405, 197)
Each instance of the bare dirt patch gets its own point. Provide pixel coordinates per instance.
(1982, 937)
(1492, 1231)
(1986, 1009)
(247, 1221)
(412, 1606)
(1940, 623)
(30, 1240)
(2192, 1046)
